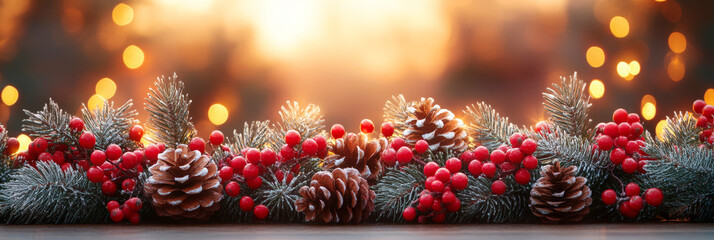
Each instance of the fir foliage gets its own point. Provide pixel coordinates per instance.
(110, 125)
(169, 120)
(254, 135)
(479, 204)
(307, 121)
(681, 130)
(568, 104)
(51, 123)
(487, 127)
(397, 190)
(280, 195)
(396, 111)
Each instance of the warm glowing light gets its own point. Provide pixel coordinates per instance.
(675, 69)
(9, 95)
(106, 88)
(648, 99)
(122, 14)
(709, 96)
(24, 142)
(649, 110)
(659, 130)
(217, 114)
(634, 68)
(597, 89)
(619, 27)
(133, 57)
(95, 102)
(660, 0)
(595, 56)
(677, 42)
(623, 69)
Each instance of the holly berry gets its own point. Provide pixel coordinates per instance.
(605, 142)
(624, 129)
(398, 143)
(254, 183)
(409, 213)
(530, 162)
(633, 118)
(448, 197)
(488, 169)
(129, 160)
(151, 152)
(216, 137)
(632, 189)
(287, 152)
(459, 181)
(611, 130)
(619, 116)
(260, 211)
(226, 173)
(528, 146)
(523, 176)
(708, 111)
(253, 155)
(309, 147)
(481, 153)
(267, 157)
(421, 146)
(515, 155)
(292, 137)
(321, 143)
(435, 185)
(636, 203)
(95, 174)
(337, 131)
(108, 187)
(387, 129)
(498, 156)
(453, 165)
(134, 203)
(430, 168)
(116, 215)
(250, 171)
(86, 140)
(627, 211)
(11, 145)
(636, 129)
(111, 205)
(426, 200)
(134, 219)
(516, 139)
(246, 203)
(498, 187)
(366, 126)
(404, 155)
(128, 185)
(454, 206)
(475, 167)
(389, 157)
(654, 196)
(443, 175)
(197, 144)
(609, 197)
(629, 165)
(76, 124)
(136, 133)
(542, 127)
(232, 189)
(113, 152)
(45, 157)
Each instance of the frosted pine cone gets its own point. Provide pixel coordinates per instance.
(439, 127)
(340, 196)
(559, 196)
(357, 151)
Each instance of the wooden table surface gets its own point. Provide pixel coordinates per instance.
(314, 232)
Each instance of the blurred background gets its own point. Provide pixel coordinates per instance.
(241, 60)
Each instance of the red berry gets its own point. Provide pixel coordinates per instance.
(404, 155)
(398, 143)
(226, 173)
(113, 152)
(287, 152)
(454, 206)
(529, 146)
(443, 175)
(632, 147)
(633, 118)
(453, 165)
(636, 129)
(260, 211)
(632, 189)
(134, 204)
(337, 131)
(488, 169)
(128, 185)
(429, 181)
(435, 186)
(292, 138)
(250, 171)
(134, 219)
(698, 106)
(41, 144)
(309, 147)
(111, 205)
(636, 203)
(246, 203)
(619, 116)
(430, 168)
(197, 144)
(232, 189)
(108, 188)
(702, 122)
(421, 146)
(542, 127)
(129, 160)
(459, 181)
(139, 155)
(366, 126)
(627, 211)
(58, 157)
(98, 158)
(481, 153)
(617, 156)
(45, 157)
(530, 162)
(515, 155)
(387, 129)
(498, 156)
(523, 176)
(152, 152)
(629, 165)
(161, 146)
(253, 156)
(605, 142)
(611, 130)
(609, 197)
(11, 145)
(95, 174)
(654, 197)
(254, 183)
(448, 197)
(76, 124)
(267, 157)
(426, 200)
(516, 139)
(498, 187)
(475, 168)
(116, 215)
(708, 111)
(136, 133)
(389, 157)
(87, 140)
(216, 137)
(321, 143)
(624, 129)
(409, 213)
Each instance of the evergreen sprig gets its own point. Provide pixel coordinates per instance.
(396, 191)
(110, 125)
(487, 127)
(169, 120)
(681, 130)
(254, 135)
(396, 111)
(307, 121)
(51, 123)
(479, 204)
(568, 104)
(280, 195)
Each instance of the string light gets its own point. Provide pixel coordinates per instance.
(623, 69)
(649, 110)
(217, 114)
(677, 42)
(659, 130)
(122, 14)
(619, 27)
(95, 101)
(597, 88)
(709, 96)
(595, 56)
(24, 142)
(634, 67)
(9, 95)
(106, 88)
(133, 57)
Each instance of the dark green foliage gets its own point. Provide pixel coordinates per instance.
(280, 196)
(487, 127)
(396, 191)
(479, 204)
(568, 104)
(307, 121)
(254, 135)
(51, 123)
(110, 125)
(169, 120)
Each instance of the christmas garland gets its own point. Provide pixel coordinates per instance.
(424, 166)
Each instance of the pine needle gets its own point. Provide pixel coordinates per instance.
(110, 125)
(487, 127)
(307, 121)
(396, 112)
(254, 135)
(169, 118)
(396, 191)
(568, 106)
(51, 123)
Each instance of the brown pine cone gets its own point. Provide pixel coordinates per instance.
(340, 196)
(184, 184)
(439, 127)
(559, 196)
(357, 151)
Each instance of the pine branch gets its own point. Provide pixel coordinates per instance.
(572, 150)
(396, 111)
(280, 196)
(487, 127)
(307, 121)
(254, 135)
(169, 119)
(396, 191)
(110, 125)
(51, 123)
(47, 194)
(568, 106)
(681, 130)
(479, 204)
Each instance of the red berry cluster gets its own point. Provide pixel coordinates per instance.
(705, 120)
(246, 204)
(516, 159)
(396, 152)
(114, 167)
(624, 134)
(129, 210)
(64, 155)
(630, 203)
(438, 198)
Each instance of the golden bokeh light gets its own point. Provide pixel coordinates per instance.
(122, 14)
(106, 88)
(133, 57)
(595, 56)
(648, 99)
(597, 89)
(619, 27)
(217, 114)
(677, 42)
(709, 96)
(24, 142)
(10, 95)
(95, 101)
(659, 130)
(649, 110)
(634, 67)
(675, 69)
(623, 69)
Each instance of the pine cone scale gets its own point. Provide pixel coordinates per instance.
(559, 196)
(348, 198)
(439, 127)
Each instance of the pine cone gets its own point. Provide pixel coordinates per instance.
(340, 196)
(559, 196)
(184, 184)
(357, 151)
(439, 127)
